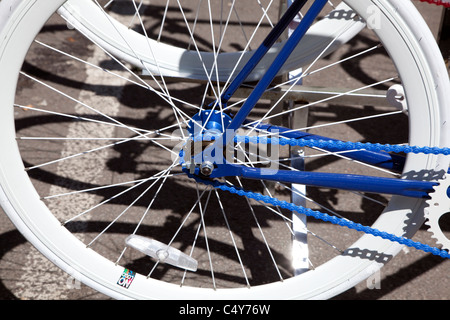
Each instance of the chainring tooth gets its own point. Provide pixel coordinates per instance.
(437, 206)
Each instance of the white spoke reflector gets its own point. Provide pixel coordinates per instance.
(162, 252)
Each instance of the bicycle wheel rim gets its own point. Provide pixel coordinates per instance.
(103, 275)
(172, 61)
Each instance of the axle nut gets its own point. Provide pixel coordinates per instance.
(207, 168)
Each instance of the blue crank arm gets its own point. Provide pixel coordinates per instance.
(361, 183)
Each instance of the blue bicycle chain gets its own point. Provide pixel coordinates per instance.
(320, 215)
(344, 146)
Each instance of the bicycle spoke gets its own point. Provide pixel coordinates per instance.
(232, 239)
(163, 20)
(132, 204)
(117, 195)
(269, 250)
(78, 101)
(202, 219)
(162, 95)
(197, 49)
(111, 145)
(108, 186)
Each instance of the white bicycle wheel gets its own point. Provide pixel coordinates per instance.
(81, 197)
(175, 58)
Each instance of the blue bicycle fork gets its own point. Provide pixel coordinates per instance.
(410, 188)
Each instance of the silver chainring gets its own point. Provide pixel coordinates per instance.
(438, 205)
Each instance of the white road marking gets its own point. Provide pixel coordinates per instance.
(38, 271)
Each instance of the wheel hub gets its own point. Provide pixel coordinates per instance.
(204, 128)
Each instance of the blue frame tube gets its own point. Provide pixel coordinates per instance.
(408, 188)
(275, 67)
(271, 72)
(370, 184)
(381, 159)
(259, 53)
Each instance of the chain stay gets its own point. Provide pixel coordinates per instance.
(344, 146)
(320, 215)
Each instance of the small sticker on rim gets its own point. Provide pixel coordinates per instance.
(126, 278)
